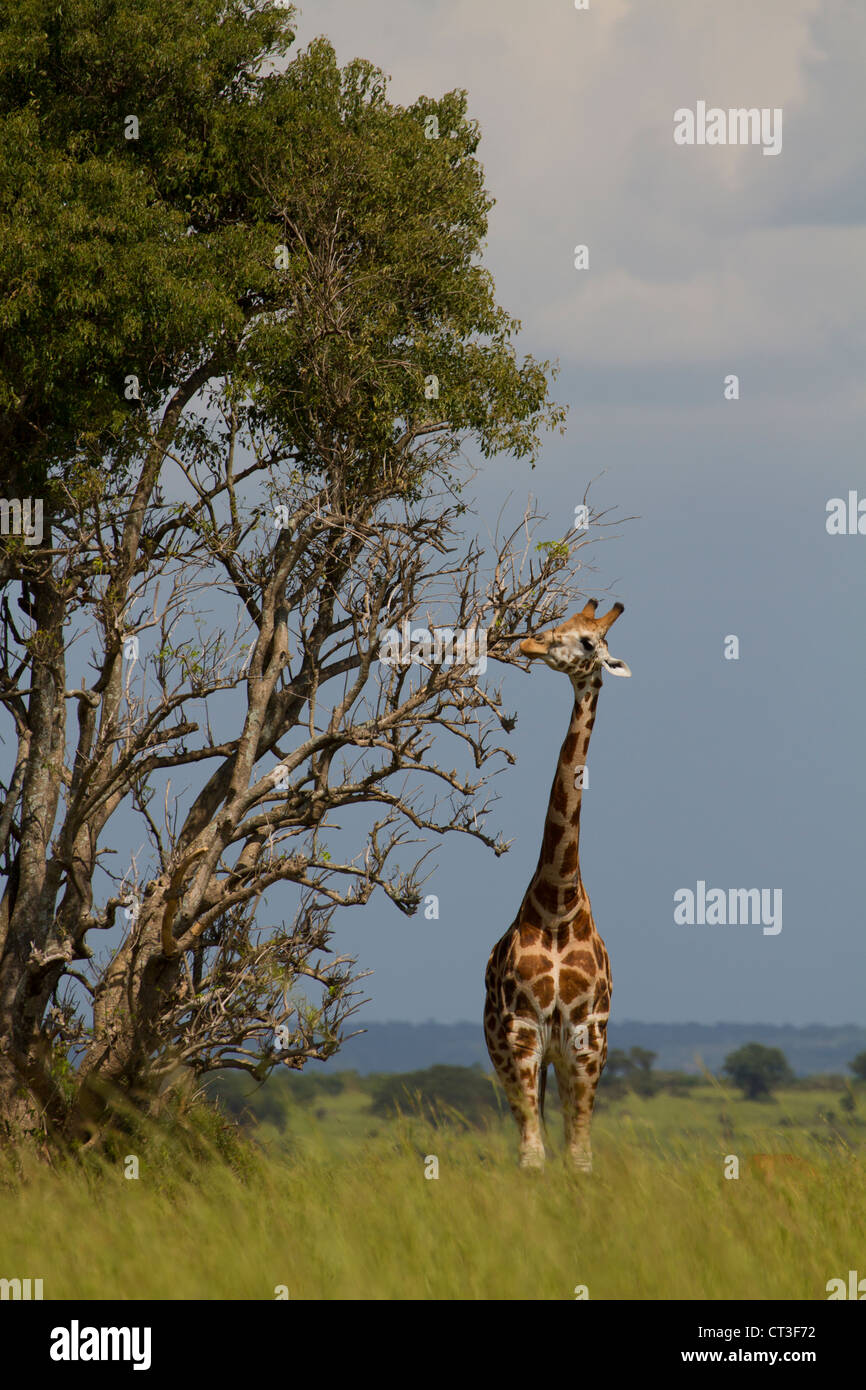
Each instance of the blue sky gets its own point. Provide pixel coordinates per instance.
(703, 262)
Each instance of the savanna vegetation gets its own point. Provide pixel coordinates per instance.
(315, 1186)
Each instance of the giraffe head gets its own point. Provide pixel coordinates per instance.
(578, 646)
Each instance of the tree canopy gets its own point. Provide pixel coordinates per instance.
(757, 1070)
(246, 338)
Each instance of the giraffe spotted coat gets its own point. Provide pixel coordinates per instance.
(548, 981)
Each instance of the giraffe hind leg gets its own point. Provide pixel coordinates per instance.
(577, 1076)
(517, 1060)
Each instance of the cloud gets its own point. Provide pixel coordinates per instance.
(767, 294)
(694, 252)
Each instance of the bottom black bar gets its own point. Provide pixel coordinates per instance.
(82, 1339)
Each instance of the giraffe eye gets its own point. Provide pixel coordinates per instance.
(587, 645)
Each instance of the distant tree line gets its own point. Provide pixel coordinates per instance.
(471, 1095)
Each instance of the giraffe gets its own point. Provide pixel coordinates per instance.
(548, 980)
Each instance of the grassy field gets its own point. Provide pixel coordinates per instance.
(333, 1202)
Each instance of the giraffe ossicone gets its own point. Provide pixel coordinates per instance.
(548, 981)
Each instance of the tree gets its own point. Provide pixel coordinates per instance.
(287, 264)
(634, 1067)
(617, 1064)
(640, 1060)
(757, 1070)
(100, 279)
(858, 1066)
(464, 1095)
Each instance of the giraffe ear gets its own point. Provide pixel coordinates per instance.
(615, 666)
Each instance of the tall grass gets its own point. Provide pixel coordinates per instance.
(231, 1221)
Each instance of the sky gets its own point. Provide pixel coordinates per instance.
(705, 261)
(707, 775)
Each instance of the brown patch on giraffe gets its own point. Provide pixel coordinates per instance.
(563, 937)
(508, 992)
(534, 913)
(598, 949)
(524, 1044)
(580, 1011)
(553, 833)
(601, 1001)
(591, 1067)
(575, 815)
(529, 935)
(568, 748)
(529, 914)
(581, 959)
(543, 990)
(498, 953)
(529, 966)
(559, 796)
(571, 985)
(524, 1008)
(569, 860)
(546, 895)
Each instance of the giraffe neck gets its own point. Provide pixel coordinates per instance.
(558, 863)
